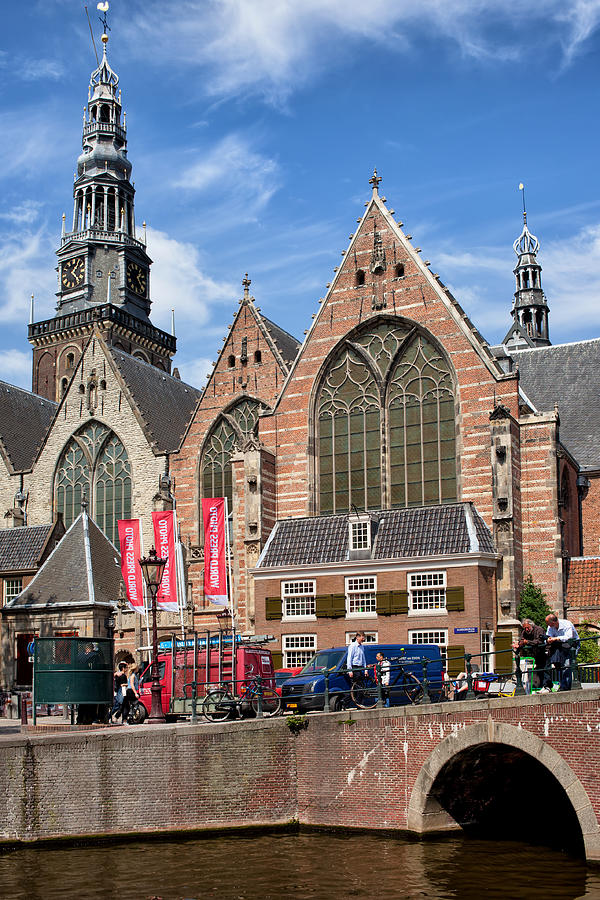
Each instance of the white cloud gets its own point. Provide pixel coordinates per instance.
(236, 174)
(36, 69)
(32, 140)
(25, 269)
(274, 48)
(571, 280)
(24, 214)
(194, 371)
(15, 368)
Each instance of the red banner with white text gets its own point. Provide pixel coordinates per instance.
(131, 550)
(215, 576)
(164, 538)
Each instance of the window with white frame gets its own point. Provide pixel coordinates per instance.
(297, 649)
(361, 595)
(371, 637)
(298, 599)
(427, 592)
(12, 588)
(487, 650)
(437, 636)
(360, 534)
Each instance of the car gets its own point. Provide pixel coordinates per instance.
(282, 675)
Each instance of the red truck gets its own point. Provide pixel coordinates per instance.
(186, 669)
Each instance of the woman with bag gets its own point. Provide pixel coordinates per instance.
(132, 694)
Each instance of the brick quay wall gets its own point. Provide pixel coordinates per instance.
(371, 769)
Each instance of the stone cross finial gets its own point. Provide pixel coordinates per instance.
(246, 283)
(375, 181)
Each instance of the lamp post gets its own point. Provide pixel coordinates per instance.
(152, 569)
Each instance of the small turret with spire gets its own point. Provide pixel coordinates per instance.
(530, 309)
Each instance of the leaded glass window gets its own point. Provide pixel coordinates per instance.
(231, 429)
(386, 423)
(94, 464)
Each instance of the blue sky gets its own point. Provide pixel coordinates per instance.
(254, 126)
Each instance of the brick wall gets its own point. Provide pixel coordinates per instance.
(360, 774)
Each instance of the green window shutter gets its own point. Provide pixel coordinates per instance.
(399, 602)
(504, 659)
(384, 602)
(338, 605)
(455, 599)
(273, 608)
(323, 606)
(455, 656)
(277, 659)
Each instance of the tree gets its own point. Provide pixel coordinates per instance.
(589, 651)
(533, 603)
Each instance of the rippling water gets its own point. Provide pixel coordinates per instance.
(316, 866)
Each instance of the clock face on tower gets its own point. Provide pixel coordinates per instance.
(73, 272)
(137, 279)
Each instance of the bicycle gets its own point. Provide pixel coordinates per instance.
(220, 704)
(365, 691)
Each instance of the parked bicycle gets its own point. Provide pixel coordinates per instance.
(221, 704)
(365, 691)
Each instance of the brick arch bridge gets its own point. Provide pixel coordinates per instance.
(487, 766)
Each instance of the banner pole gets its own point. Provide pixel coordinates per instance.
(144, 593)
(178, 568)
(229, 579)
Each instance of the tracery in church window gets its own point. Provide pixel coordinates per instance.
(231, 430)
(386, 423)
(94, 464)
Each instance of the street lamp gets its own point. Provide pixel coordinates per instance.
(152, 569)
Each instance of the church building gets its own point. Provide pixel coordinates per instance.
(392, 473)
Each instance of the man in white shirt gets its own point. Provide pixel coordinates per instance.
(561, 635)
(355, 658)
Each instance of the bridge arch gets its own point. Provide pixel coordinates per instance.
(535, 780)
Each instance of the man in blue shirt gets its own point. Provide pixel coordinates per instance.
(356, 662)
(561, 635)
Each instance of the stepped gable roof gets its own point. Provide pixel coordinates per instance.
(583, 585)
(567, 375)
(400, 533)
(83, 570)
(21, 548)
(164, 403)
(24, 422)
(287, 345)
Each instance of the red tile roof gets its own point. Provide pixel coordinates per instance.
(583, 585)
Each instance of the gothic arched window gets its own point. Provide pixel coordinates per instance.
(232, 429)
(95, 464)
(385, 422)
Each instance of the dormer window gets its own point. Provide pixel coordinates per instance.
(360, 534)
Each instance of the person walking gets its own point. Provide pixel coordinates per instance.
(132, 693)
(119, 688)
(561, 635)
(356, 661)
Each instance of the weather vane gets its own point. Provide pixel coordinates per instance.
(522, 189)
(103, 7)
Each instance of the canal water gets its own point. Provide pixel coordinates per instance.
(312, 866)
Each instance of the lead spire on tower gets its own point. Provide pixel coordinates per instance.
(530, 309)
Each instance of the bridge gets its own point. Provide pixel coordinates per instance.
(511, 767)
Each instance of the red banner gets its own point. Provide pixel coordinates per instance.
(215, 578)
(164, 537)
(131, 551)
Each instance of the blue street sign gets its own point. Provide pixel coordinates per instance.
(471, 630)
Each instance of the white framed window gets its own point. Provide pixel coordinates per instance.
(487, 651)
(360, 534)
(12, 588)
(427, 593)
(371, 637)
(437, 636)
(361, 596)
(297, 649)
(298, 599)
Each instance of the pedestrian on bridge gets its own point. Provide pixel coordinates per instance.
(356, 661)
(532, 643)
(561, 636)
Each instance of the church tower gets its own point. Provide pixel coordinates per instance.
(530, 309)
(103, 268)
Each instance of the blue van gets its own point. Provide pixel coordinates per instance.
(306, 691)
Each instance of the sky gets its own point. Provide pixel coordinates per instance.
(254, 127)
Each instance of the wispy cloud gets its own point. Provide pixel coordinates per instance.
(15, 367)
(273, 49)
(25, 269)
(571, 279)
(24, 213)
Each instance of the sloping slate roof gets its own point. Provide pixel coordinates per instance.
(21, 548)
(63, 578)
(166, 404)
(287, 345)
(567, 374)
(24, 422)
(583, 586)
(402, 533)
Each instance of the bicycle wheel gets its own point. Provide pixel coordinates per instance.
(271, 702)
(412, 688)
(364, 693)
(217, 706)
(137, 715)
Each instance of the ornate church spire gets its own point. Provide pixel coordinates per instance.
(530, 309)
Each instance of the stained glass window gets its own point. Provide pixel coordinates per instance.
(230, 430)
(94, 464)
(386, 423)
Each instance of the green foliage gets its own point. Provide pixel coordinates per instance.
(533, 603)
(296, 724)
(589, 652)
